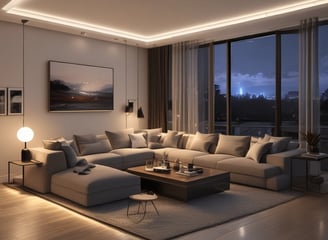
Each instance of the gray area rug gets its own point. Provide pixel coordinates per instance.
(178, 218)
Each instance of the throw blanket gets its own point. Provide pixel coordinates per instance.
(82, 167)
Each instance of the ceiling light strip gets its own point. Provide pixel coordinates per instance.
(10, 8)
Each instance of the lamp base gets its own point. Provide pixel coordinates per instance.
(26, 155)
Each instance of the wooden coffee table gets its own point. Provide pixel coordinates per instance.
(183, 187)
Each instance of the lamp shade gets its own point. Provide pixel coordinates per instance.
(25, 134)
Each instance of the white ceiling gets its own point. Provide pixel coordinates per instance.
(149, 23)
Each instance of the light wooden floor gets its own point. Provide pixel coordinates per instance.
(25, 216)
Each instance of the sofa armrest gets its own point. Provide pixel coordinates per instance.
(282, 159)
(38, 177)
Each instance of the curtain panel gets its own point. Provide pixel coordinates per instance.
(185, 87)
(309, 98)
(159, 62)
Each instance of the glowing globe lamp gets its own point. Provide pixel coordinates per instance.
(25, 135)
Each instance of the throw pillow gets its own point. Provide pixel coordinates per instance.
(258, 150)
(91, 144)
(233, 145)
(172, 139)
(70, 155)
(153, 135)
(120, 139)
(138, 140)
(54, 143)
(279, 144)
(202, 142)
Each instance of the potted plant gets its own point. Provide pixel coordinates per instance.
(312, 140)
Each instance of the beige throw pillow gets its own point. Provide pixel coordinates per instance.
(233, 145)
(202, 142)
(172, 139)
(258, 150)
(279, 144)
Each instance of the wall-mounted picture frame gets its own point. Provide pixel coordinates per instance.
(15, 101)
(3, 101)
(77, 87)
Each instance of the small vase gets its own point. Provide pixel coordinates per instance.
(313, 148)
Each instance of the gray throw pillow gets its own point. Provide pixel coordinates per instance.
(91, 144)
(233, 145)
(120, 139)
(54, 143)
(70, 155)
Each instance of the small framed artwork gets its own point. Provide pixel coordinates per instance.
(15, 101)
(3, 101)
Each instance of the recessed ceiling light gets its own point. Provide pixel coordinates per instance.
(13, 8)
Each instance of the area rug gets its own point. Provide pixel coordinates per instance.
(177, 218)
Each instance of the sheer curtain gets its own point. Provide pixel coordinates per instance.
(309, 99)
(185, 87)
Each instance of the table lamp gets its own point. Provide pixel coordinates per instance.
(25, 135)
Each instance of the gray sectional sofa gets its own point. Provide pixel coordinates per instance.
(260, 162)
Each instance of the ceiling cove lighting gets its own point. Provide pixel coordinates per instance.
(13, 8)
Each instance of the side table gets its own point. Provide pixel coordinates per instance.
(23, 165)
(307, 157)
(142, 198)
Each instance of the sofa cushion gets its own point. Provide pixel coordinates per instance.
(233, 145)
(202, 142)
(108, 159)
(120, 139)
(91, 144)
(172, 139)
(138, 140)
(258, 150)
(102, 185)
(249, 167)
(132, 157)
(184, 155)
(210, 160)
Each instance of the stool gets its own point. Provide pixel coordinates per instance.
(142, 199)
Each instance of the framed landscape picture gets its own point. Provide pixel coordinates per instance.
(77, 87)
(3, 101)
(15, 101)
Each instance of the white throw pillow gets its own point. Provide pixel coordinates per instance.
(138, 140)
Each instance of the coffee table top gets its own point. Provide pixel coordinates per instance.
(207, 173)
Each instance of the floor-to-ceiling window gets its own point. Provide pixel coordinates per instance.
(220, 87)
(289, 84)
(253, 86)
(323, 86)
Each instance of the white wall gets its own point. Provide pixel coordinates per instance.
(41, 46)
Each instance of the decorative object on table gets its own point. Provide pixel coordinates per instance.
(312, 140)
(25, 135)
(149, 165)
(176, 165)
(77, 87)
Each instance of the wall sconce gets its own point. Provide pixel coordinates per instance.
(140, 113)
(25, 135)
(129, 107)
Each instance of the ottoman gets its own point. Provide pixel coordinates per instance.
(102, 185)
